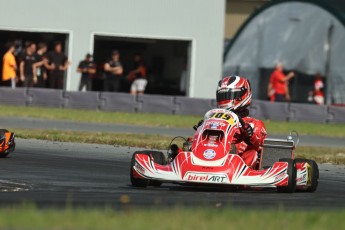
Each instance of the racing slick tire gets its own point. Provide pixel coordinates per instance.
(4, 153)
(8, 151)
(291, 171)
(314, 173)
(158, 157)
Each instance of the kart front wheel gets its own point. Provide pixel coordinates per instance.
(158, 157)
(314, 173)
(291, 171)
(137, 182)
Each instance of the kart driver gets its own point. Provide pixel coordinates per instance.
(235, 94)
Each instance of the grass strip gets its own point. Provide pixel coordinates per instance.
(320, 154)
(161, 120)
(145, 119)
(122, 139)
(306, 128)
(174, 218)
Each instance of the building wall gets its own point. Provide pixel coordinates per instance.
(237, 11)
(200, 21)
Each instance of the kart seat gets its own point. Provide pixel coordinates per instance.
(275, 149)
(216, 135)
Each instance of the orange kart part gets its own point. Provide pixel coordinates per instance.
(7, 142)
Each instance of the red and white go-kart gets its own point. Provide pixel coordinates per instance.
(210, 159)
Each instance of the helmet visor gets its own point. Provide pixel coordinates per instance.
(231, 94)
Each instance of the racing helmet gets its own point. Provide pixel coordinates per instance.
(234, 93)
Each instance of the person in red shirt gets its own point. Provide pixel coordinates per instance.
(317, 96)
(278, 85)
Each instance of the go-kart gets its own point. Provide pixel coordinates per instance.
(210, 159)
(7, 142)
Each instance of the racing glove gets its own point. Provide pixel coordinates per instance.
(195, 127)
(247, 132)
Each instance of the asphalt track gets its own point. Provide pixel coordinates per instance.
(60, 174)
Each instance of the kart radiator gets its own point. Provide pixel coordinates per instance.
(275, 149)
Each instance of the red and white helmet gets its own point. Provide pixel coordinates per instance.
(234, 93)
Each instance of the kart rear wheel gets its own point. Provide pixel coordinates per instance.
(158, 157)
(4, 155)
(314, 173)
(291, 171)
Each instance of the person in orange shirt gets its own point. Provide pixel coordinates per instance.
(278, 85)
(9, 66)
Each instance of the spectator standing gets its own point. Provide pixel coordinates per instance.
(39, 68)
(27, 61)
(87, 68)
(9, 66)
(317, 96)
(183, 80)
(57, 65)
(138, 75)
(278, 86)
(114, 70)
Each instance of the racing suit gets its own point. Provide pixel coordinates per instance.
(253, 136)
(249, 140)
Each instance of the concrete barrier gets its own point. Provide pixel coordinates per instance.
(82, 100)
(10, 96)
(192, 106)
(308, 112)
(118, 102)
(155, 104)
(123, 102)
(277, 111)
(336, 114)
(45, 97)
